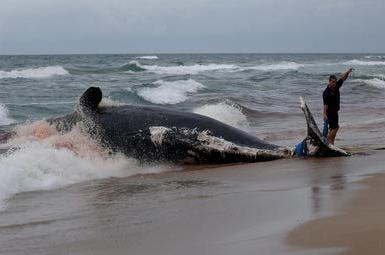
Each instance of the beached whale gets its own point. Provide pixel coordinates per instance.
(152, 133)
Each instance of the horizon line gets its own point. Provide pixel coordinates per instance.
(191, 53)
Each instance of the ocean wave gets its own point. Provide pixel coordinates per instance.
(198, 68)
(356, 62)
(170, 92)
(133, 66)
(108, 102)
(227, 112)
(374, 56)
(148, 57)
(380, 76)
(375, 82)
(4, 118)
(44, 159)
(40, 72)
(182, 70)
(279, 66)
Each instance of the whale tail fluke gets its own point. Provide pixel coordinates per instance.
(314, 142)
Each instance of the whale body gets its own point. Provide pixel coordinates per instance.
(152, 133)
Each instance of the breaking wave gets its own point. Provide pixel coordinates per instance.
(40, 158)
(380, 76)
(34, 73)
(148, 57)
(181, 70)
(169, 92)
(135, 66)
(356, 62)
(226, 112)
(375, 82)
(279, 66)
(4, 118)
(374, 56)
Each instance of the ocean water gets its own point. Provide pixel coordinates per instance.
(258, 93)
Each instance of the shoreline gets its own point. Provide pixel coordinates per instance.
(223, 210)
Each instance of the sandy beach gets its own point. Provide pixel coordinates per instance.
(242, 209)
(360, 228)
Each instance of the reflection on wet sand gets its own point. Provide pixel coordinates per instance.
(337, 182)
(360, 229)
(118, 189)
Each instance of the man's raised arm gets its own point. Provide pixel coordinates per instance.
(346, 74)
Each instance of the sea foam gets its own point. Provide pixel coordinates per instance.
(170, 92)
(199, 68)
(356, 62)
(278, 66)
(375, 82)
(4, 118)
(148, 57)
(374, 56)
(43, 159)
(182, 70)
(33, 73)
(226, 112)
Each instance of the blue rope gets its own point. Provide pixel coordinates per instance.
(301, 149)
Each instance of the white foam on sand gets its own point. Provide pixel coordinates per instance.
(226, 112)
(33, 73)
(43, 159)
(170, 92)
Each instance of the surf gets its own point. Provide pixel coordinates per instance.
(170, 92)
(4, 116)
(34, 73)
(38, 157)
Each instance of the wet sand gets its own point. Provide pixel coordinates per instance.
(360, 229)
(237, 209)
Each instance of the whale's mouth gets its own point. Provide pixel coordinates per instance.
(204, 147)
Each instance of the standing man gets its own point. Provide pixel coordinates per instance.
(331, 98)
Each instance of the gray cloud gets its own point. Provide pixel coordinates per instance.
(117, 26)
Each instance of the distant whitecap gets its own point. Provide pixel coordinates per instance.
(32, 73)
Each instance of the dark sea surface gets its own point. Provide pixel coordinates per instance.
(258, 93)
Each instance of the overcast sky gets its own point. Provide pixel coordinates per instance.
(177, 26)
